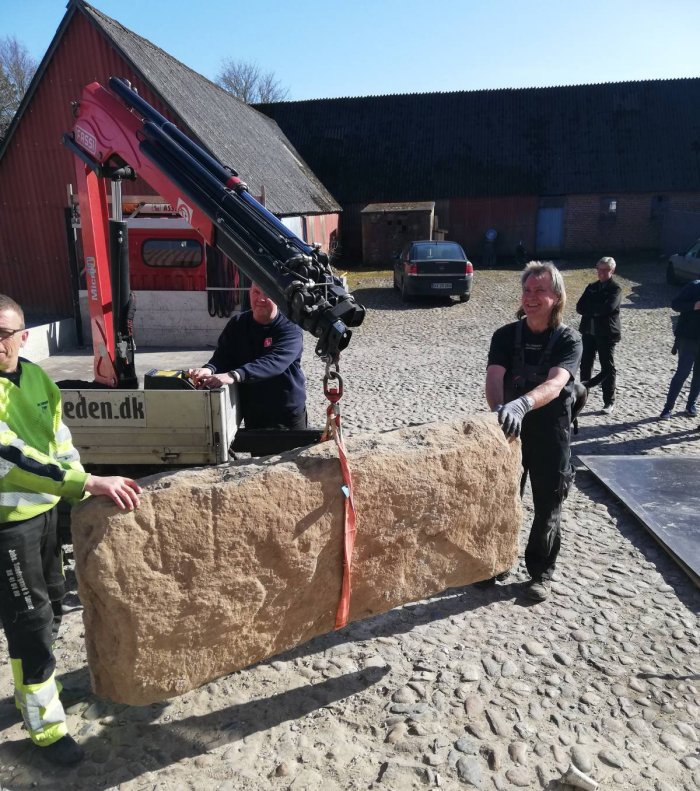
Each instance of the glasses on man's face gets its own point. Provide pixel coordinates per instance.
(5, 335)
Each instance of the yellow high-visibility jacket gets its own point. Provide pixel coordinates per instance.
(38, 463)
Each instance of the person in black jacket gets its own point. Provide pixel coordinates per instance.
(687, 303)
(261, 349)
(599, 307)
(530, 384)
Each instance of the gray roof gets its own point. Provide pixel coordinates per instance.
(231, 130)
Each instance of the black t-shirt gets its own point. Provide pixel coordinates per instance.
(565, 354)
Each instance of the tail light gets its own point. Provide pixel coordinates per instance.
(410, 269)
(469, 269)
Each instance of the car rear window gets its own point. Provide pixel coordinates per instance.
(442, 252)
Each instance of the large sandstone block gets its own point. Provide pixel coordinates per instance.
(222, 567)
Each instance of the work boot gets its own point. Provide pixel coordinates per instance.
(65, 752)
(691, 410)
(538, 590)
(665, 414)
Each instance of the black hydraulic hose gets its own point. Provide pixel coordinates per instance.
(295, 275)
(122, 304)
(225, 208)
(224, 198)
(309, 310)
(241, 248)
(125, 92)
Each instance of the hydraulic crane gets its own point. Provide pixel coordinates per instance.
(117, 135)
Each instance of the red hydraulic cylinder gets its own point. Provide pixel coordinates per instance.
(94, 220)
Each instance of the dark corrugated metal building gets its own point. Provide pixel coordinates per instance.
(35, 168)
(568, 169)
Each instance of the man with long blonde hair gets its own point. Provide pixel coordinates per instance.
(529, 383)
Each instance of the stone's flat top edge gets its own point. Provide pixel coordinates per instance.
(384, 441)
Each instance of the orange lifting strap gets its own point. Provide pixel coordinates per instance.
(333, 390)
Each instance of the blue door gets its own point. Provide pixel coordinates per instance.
(550, 229)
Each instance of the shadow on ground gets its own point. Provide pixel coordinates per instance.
(191, 736)
(453, 601)
(600, 440)
(387, 299)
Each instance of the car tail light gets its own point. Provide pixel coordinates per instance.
(469, 269)
(411, 269)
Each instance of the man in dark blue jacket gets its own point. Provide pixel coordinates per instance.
(260, 349)
(687, 303)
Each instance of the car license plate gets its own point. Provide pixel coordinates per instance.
(441, 285)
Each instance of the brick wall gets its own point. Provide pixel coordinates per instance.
(514, 218)
(635, 224)
(685, 201)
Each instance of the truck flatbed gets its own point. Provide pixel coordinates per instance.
(137, 426)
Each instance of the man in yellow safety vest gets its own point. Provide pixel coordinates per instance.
(38, 466)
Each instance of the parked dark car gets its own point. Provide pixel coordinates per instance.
(684, 268)
(433, 269)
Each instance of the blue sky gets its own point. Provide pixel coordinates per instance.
(362, 47)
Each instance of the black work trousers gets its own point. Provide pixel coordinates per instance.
(546, 449)
(607, 378)
(31, 592)
(293, 422)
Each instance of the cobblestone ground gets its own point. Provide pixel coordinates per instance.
(473, 688)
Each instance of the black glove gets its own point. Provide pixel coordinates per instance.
(510, 415)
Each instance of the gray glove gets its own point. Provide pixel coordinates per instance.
(510, 415)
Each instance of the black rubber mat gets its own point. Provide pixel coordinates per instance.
(663, 492)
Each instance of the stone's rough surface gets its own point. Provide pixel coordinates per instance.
(222, 567)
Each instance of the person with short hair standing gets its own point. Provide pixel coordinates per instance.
(529, 383)
(38, 466)
(599, 308)
(260, 349)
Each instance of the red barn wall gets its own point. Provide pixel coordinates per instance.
(36, 169)
(513, 217)
(321, 229)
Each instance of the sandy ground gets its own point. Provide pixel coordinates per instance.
(472, 688)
